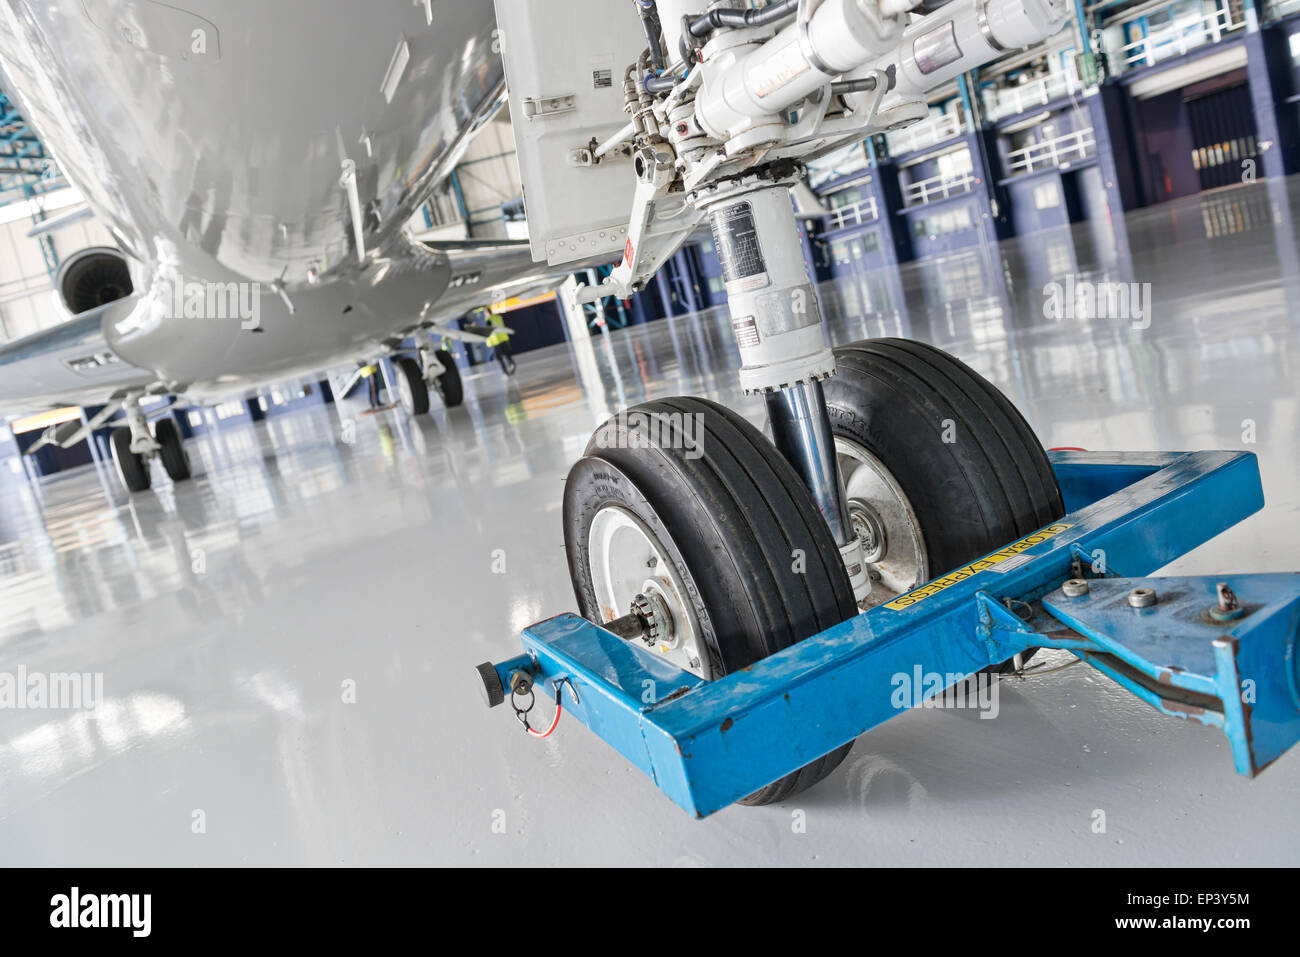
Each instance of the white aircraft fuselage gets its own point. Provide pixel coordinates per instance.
(216, 140)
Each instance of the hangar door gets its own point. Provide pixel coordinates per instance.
(1223, 135)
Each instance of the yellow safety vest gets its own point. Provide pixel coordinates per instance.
(497, 338)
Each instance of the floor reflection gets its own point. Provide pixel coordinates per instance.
(328, 546)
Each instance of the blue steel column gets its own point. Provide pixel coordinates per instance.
(994, 221)
(663, 286)
(889, 200)
(1268, 69)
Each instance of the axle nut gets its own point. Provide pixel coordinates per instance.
(654, 614)
(1142, 597)
(520, 683)
(1075, 587)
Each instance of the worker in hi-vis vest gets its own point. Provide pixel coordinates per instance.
(499, 341)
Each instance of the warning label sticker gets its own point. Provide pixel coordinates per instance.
(746, 330)
(1011, 564)
(736, 239)
(988, 563)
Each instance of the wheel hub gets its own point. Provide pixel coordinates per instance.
(884, 520)
(870, 531)
(653, 609)
(630, 571)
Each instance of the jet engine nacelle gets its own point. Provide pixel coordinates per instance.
(93, 277)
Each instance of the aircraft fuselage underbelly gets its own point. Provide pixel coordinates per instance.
(214, 138)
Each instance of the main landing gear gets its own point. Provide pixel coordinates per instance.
(435, 368)
(133, 446)
(891, 463)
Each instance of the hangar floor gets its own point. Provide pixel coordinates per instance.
(232, 618)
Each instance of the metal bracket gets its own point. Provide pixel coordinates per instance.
(544, 106)
(1239, 674)
(348, 182)
(1003, 631)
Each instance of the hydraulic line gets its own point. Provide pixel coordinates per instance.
(653, 34)
(697, 30)
(705, 24)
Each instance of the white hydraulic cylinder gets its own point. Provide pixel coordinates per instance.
(745, 91)
(966, 34)
(839, 36)
(774, 312)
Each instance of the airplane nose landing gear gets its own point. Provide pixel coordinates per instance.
(717, 548)
(891, 462)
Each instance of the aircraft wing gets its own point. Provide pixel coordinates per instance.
(67, 364)
(73, 363)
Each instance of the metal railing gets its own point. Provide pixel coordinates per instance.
(926, 133)
(1179, 37)
(937, 187)
(1017, 99)
(861, 212)
(1052, 153)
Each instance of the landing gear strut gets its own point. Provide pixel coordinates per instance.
(777, 324)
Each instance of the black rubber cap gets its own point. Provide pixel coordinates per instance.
(493, 693)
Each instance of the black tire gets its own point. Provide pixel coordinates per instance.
(133, 469)
(449, 384)
(991, 486)
(175, 460)
(415, 398)
(730, 520)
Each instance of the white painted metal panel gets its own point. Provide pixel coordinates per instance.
(565, 61)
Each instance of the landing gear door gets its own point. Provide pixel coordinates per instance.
(564, 62)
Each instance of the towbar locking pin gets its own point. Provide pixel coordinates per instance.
(1228, 608)
(522, 713)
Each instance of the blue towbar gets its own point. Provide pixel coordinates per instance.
(1221, 651)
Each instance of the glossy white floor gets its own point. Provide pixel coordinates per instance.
(233, 617)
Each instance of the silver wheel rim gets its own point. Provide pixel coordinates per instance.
(627, 559)
(885, 521)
